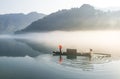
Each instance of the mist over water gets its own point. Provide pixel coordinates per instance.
(30, 55)
(99, 41)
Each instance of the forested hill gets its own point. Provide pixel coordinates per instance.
(9, 23)
(84, 18)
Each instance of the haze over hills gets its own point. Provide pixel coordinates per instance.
(9, 23)
(84, 18)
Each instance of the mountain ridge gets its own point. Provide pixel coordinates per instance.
(84, 18)
(9, 23)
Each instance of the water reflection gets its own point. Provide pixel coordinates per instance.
(46, 66)
(12, 47)
(60, 59)
(86, 63)
(16, 47)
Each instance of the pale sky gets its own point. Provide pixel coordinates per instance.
(49, 6)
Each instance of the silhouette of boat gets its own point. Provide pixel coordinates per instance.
(73, 52)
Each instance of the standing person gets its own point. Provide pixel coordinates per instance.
(60, 49)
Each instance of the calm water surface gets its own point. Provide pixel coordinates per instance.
(30, 56)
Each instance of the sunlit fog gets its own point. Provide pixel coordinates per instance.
(99, 41)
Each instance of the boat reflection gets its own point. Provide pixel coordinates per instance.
(60, 59)
(85, 63)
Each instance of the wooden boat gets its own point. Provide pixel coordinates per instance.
(73, 52)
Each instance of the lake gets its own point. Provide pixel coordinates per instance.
(29, 56)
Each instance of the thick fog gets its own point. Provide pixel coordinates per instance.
(46, 66)
(99, 41)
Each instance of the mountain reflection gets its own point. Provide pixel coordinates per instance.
(42, 65)
(12, 47)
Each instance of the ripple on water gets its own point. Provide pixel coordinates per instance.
(95, 63)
